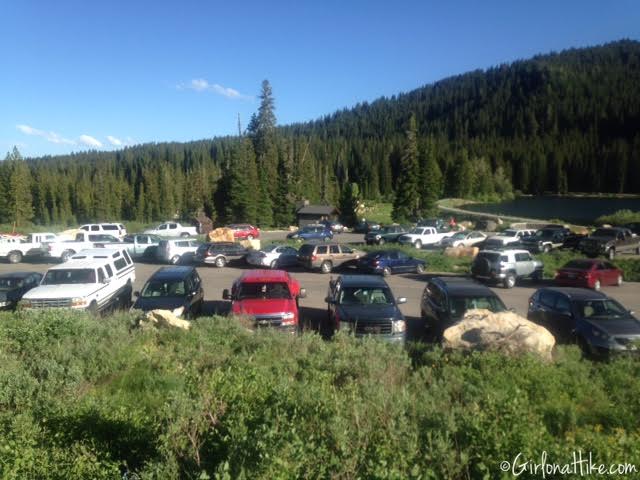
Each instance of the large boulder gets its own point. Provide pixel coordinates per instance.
(456, 252)
(253, 244)
(505, 332)
(162, 319)
(222, 234)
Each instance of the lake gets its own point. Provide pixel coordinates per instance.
(579, 210)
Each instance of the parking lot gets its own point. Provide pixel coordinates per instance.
(313, 306)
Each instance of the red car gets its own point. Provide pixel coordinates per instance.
(269, 296)
(588, 273)
(244, 231)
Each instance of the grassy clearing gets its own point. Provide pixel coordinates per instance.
(377, 212)
(86, 398)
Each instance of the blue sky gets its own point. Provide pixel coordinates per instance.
(79, 75)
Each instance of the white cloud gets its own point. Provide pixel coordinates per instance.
(114, 141)
(52, 137)
(89, 141)
(202, 85)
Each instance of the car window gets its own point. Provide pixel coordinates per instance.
(193, 243)
(365, 296)
(120, 263)
(562, 304)
(522, 257)
(100, 275)
(608, 266)
(182, 244)
(436, 295)
(85, 228)
(392, 255)
(173, 226)
(402, 255)
(334, 249)
(108, 270)
(110, 227)
(346, 249)
(162, 227)
(322, 250)
(547, 298)
(95, 228)
(127, 257)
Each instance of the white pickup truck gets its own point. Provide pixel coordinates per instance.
(507, 237)
(173, 229)
(32, 246)
(420, 236)
(64, 250)
(95, 280)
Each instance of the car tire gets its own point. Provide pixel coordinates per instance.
(273, 265)
(546, 249)
(417, 244)
(611, 254)
(184, 234)
(15, 257)
(619, 280)
(66, 255)
(536, 276)
(93, 308)
(175, 260)
(596, 285)
(326, 267)
(509, 281)
(220, 262)
(381, 241)
(386, 271)
(419, 268)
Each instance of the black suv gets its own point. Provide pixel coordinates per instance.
(364, 305)
(219, 253)
(387, 234)
(597, 323)
(14, 285)
(178, 289)
(446, 299)
(546, 239)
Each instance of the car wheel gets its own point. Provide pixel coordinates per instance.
(417, 244)
(15, 257)
(381, 241)
(611, 254)
(546, 249)
(66, 255)
(249, 237)
(326, 267)
(175, 259)
(93, 308)
(619, 280)
(596, 285)
(537, 276)
(184, 234)
(274, 264)
(419, 268)
(509, 280)
(220, 262)
(386, 271)
(638, 251)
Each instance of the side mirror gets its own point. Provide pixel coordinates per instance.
(225, 294)
(136, 294)
(302, 293)
(401, 300)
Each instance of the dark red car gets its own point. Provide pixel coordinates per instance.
(244, 231)
(589, 273)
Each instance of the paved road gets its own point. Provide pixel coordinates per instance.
(313, 307)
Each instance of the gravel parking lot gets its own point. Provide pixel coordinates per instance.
(313, 307)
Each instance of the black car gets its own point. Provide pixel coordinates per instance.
(389, 261)
(174, 288)
(366, 227)
(364, 305)
(597, 323)
(545, 239)
(446, 299)
(633, 226)
(219, 253)
(387, 234)
(14, 285)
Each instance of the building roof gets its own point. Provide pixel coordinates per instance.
(317, 210)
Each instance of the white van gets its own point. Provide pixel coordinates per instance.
(115, 229)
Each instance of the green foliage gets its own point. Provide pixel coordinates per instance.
(406, 202)
(19, 197)
(85, 398)
(619, 218)
(431, 185)
(349, 201)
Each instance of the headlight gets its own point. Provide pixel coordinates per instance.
(178, 311)
(4, 304)
(399, 326)
(378, 237)
(78, 302)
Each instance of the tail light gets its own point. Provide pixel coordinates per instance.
(313, 258)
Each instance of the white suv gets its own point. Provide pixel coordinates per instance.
(96, 280)
(115, 229)
(177, 251)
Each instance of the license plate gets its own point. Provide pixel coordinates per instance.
(372, 329)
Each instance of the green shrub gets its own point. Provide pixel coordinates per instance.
(619, 218)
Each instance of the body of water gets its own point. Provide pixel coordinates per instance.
(579, 210)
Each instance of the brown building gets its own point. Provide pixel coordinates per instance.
(309, 214)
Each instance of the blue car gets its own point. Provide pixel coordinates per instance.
(312, 232)
(390, 261)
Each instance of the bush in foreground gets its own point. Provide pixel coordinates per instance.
(81, 397)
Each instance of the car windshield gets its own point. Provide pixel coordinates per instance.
(269, 248)
(544, 233)
(459, 236)
(263, 290)
(601, 309)
(365, 296)
(459, 305)
(579, 264)
(604, 232)
(9, 283)
(163, 288)
(69, 276)
(507, 233)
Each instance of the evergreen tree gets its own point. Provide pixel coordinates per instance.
(431, 180)
(406, 202)
(463, 176)
(20, 204)
(348, 204)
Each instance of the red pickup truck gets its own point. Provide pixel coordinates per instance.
(269, 296)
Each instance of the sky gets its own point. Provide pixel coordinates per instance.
(83, 75)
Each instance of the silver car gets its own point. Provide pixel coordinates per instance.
(176, 251)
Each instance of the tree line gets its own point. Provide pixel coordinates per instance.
(563, 122)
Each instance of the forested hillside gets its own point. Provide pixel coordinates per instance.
(561, 122)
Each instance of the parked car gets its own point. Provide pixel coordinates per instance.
(244, 231)
(269, 296)
(14, 250)
(437, 223)
(633, 226)
(312, 232)
(364, 305)
(177, 251)
(588, 273)
(116, 229)
(219, 253)
(506, 266)
(545, 239)
(335, 227)
(388, 262)
(64, 250)
(366, 227)
(572, 241)
(14, 285)
(420, 236)
(388, 234)
(467, 238)
(95, 280)
(173, 229)
(610, 242)
(178, 289)
(446, 299)
(507, 237)
(140, 245)
(273, 256)
(599, 325)
(326, 257)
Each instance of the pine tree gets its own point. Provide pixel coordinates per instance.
(406, 202)
(463, 176)
(431, 180)
(348, 204)
(20, 198)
